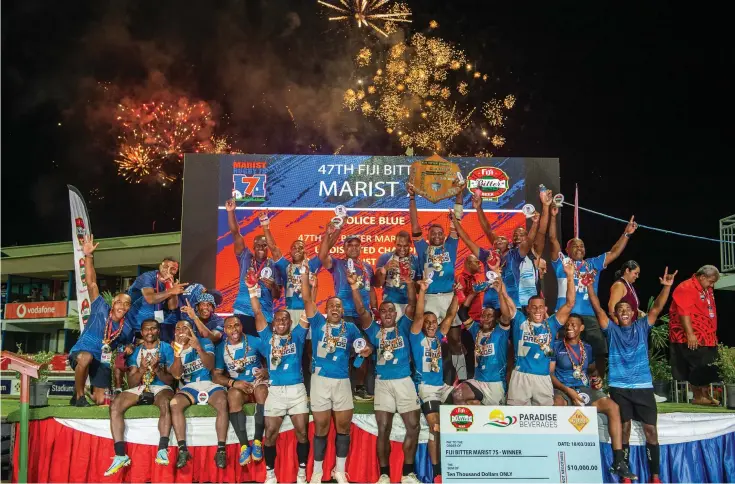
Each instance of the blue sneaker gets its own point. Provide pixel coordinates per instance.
(162, 457)
(118, 462)
(244, 455)
(257, 450)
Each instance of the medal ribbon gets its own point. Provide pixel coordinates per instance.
(387, 345)
(635, 295)
(331, 339)
(278, 350)
(110, 335)
(148, 377)
(434, 353)
(246, 346)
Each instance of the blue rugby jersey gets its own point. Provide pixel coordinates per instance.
(331, 365)
(247, 349)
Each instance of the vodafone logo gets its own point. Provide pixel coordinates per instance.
(50, 309)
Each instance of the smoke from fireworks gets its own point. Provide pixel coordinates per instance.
(370, 13)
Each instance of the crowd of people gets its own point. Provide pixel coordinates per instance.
(477, 335)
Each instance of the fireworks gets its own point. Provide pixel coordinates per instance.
(363, 57)
(462, 88)
(370, 13)
(349, 100)
(134, 162)
(433, 24)
(493, 111)
(509, 101)
(498, 141)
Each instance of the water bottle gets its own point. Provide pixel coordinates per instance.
(108, 396)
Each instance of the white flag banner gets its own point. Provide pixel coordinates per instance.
(79, 228)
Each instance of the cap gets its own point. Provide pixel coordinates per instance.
(206, 297)
(351, 237)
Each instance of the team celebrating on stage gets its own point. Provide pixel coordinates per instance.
(490, 314)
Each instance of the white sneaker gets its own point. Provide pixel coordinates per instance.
(316, 478)
(659, 399)
(301, 477)
(340, 477)
(410, 479)
(270, 478)
(383, 479)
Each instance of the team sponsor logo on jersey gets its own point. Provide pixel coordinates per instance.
(487, 349)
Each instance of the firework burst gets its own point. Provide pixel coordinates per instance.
(380, 15)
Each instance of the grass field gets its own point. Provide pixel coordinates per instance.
(59, 407)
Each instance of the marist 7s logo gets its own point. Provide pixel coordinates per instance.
(248, 181)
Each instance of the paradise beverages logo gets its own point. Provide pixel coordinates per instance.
(498, 419)
(461, 418)
(489, 182)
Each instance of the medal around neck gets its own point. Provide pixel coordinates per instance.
(528, 210)
(558, 200)
(266, 273)
(387, 355)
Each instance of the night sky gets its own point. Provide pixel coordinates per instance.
(633, 100)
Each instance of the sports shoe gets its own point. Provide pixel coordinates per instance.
(340, 477)
(82, 402)
(73, 400)
(659, 398)
(162, 457)
(257, 451)
(622, 470)
(118, 462)
(384, 479)
(183, 458)
(220, 458)
(316, 478)
(438, 478)
(656, 480)
(626, 481)
(270, 477)
(362, 395)
(412, 478)
(301, 477)
(244, 455)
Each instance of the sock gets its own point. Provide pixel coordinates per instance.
(385, 470)
(407, 468)
(320, 448)
(220, 445)
(182, 445)
(342, 442)
(302, 451)
(163, 443)
(120, 448)
(269, 453)
(626, 453)
(259, 421)
(237, 425)
(317, 466)
(618, 456)
(653, 454)
(436, 469)
(118, 390)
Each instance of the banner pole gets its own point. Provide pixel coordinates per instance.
(24, 410)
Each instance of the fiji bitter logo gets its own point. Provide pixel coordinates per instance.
(461, 418)
(489, 182)
(579, 420)
(498, 419)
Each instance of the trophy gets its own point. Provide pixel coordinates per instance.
(358, 345)
(435, 178)
(542, 188)
(558, 200)
(528, 210)
(435, 365)
(350, 266)
(387, 355)
(494, 259)
(341, 214)
(429, 275)
(492, 276)
(587, 278)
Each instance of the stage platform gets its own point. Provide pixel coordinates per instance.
(69, 444)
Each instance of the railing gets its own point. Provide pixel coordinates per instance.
(727, 246)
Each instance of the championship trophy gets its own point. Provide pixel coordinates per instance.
(435, 178)
(528, 210)
(358, 345)
(558, 200)
(341, 214)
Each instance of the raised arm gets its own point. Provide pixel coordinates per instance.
(237, 239)
(410, 310)
(413, 211)
(617, 292)
(658, 305)
(459, 205)
(525, 246)
(554, 244)
(329, 238)
(152, 297)
(254, 292)
(310, 307)
(363, 314)
(474, 248)
(563, 312)
(446, 323)
(619, 246)
(266, 224)
(595, 302)
(539, 241)
(507, 306)
(484, 224)
(418, 313)
(90, 276)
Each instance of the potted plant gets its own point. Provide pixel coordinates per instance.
(660, 373)
(40, 387)
(726, 366)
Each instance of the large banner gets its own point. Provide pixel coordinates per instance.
(301, 192)
(79, 228)
(519, 444)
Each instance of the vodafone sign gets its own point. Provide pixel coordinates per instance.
(36, 310)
